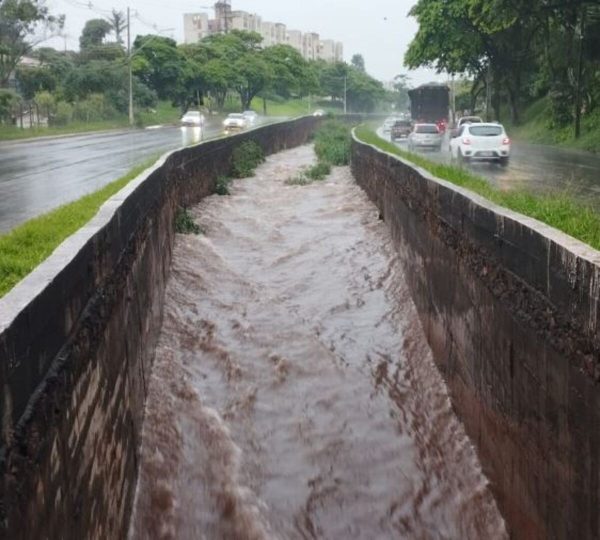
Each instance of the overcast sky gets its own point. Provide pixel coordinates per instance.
(380, 30)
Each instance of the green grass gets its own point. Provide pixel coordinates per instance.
(28, 245)
(292, 107)
(558, 209)
(165, 113)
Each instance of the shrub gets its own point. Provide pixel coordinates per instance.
(94, 108)
(63, 114)
(332, 143)
(185, 224)
(9, 100)
(222, 185)
(246, 157)
(318, 171)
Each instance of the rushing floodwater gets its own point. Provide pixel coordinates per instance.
(293, 393)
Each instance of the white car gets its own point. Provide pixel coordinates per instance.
(425, 136)
(319, 112)
(481, 142)
(387, 124)
(250, 116)
(193, 119)
(234, 122)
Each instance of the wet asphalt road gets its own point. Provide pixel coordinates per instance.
(38, 175)
(538, 168)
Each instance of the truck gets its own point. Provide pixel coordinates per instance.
(430, 103)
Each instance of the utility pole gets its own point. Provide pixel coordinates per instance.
(579, 74)
(130, 68)
(345, 94)
(488, 93)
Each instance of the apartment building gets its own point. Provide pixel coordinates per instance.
(198, 26)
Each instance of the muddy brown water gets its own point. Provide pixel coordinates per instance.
(293, 394)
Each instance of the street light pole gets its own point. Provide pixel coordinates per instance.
(130, 68)
(345, 94)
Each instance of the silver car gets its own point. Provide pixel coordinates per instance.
(425, 136)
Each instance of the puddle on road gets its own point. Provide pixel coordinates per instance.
(293, 394)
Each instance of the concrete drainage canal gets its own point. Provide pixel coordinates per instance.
(293, 393)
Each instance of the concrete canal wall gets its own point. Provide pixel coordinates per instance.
(76, 344)
(510, 308)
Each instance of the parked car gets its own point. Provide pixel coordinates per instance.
(234, 122)
(250, 116)
(425, 136)
(192, 119)
(481, 142)
(400, 130)
(319, 112)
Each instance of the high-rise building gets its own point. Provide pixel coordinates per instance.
(198, 26)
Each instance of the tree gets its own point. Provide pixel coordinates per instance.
(33, 80)
(158, 63)
(118, 23)
(93, 34)
(358, 62)
(291, 74)
(363, 91)
(20, 20)
(253, 76)
(400, 95)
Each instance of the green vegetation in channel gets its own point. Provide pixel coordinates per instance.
(222, 185)
(28, 245)
(332, 146)
(245, 158)
(185, 224)
(332, 143)
(558, 210)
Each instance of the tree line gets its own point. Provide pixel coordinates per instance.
(93, 83)
(515, 52)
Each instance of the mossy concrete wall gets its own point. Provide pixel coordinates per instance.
(76, 345)
(510, 309)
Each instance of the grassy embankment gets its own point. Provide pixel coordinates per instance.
(534, 128)
(559, 210)
(28, 245)
(165, 113)
(291, 107)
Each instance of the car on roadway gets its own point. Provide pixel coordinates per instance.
(235, 122)
(466, 120)
(250, 116)
(481, 142)
(425, 136)
(319, 112)
(387, 125)
(192, 119)
(400, 130)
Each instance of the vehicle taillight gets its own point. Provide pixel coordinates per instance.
(466, 141)
(506, 140)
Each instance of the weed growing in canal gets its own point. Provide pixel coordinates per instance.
(315, 173)
(246, 157)
(318, 171)
(559, 210)
(332, 143)
(222, 185)
(185, 224)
